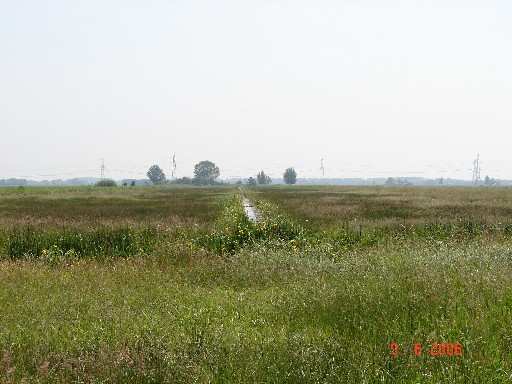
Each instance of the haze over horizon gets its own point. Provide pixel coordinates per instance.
(377, 90)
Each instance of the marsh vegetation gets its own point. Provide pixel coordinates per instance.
(181, 287)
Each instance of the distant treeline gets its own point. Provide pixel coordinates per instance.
(83, 181)
(396, 181)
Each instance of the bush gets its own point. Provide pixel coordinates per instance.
(106, 183)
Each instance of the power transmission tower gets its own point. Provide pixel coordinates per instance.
(173, 166)
(322, 168)
(102, 169)
(477, 170)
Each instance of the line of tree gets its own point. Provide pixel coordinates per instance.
(206, 173)
(263, 179)
(397, 181)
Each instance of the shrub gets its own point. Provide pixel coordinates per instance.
(106, 183)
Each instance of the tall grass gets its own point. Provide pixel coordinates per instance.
(30, 242)
(262, 315)
(234, 231)
(89, 206)
(298, 300)
(349, 237)
(331, 207)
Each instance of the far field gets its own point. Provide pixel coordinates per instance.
(117, 206)
(382, 206)
(172, 285)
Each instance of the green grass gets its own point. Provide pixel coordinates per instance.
(63, 223)
(234, 231)
(100, 242)
(92, 206)
(262, 315)
(220, 299)
(333, 207)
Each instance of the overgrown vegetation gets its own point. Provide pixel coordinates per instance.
(297, 297)
(371, 207)
(264, 314)
(87, 207)
(73, 223)
(234, 230)
(103, 242)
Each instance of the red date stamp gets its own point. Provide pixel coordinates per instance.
(435, 350)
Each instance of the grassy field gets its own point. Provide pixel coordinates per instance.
(102, 222)
(381, 206)
(305, 295)
(86, 206)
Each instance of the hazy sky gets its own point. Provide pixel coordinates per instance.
(377, 88)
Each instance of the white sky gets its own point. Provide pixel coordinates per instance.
(377, 88)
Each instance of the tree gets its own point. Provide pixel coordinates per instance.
(263, 179)
(156, 175)
(399, 181)
(183, 180)
(490, 182)
(206, 172)
(390, 181)
(290, 176)
(251, 181)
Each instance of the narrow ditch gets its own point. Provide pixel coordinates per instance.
(250, 211)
